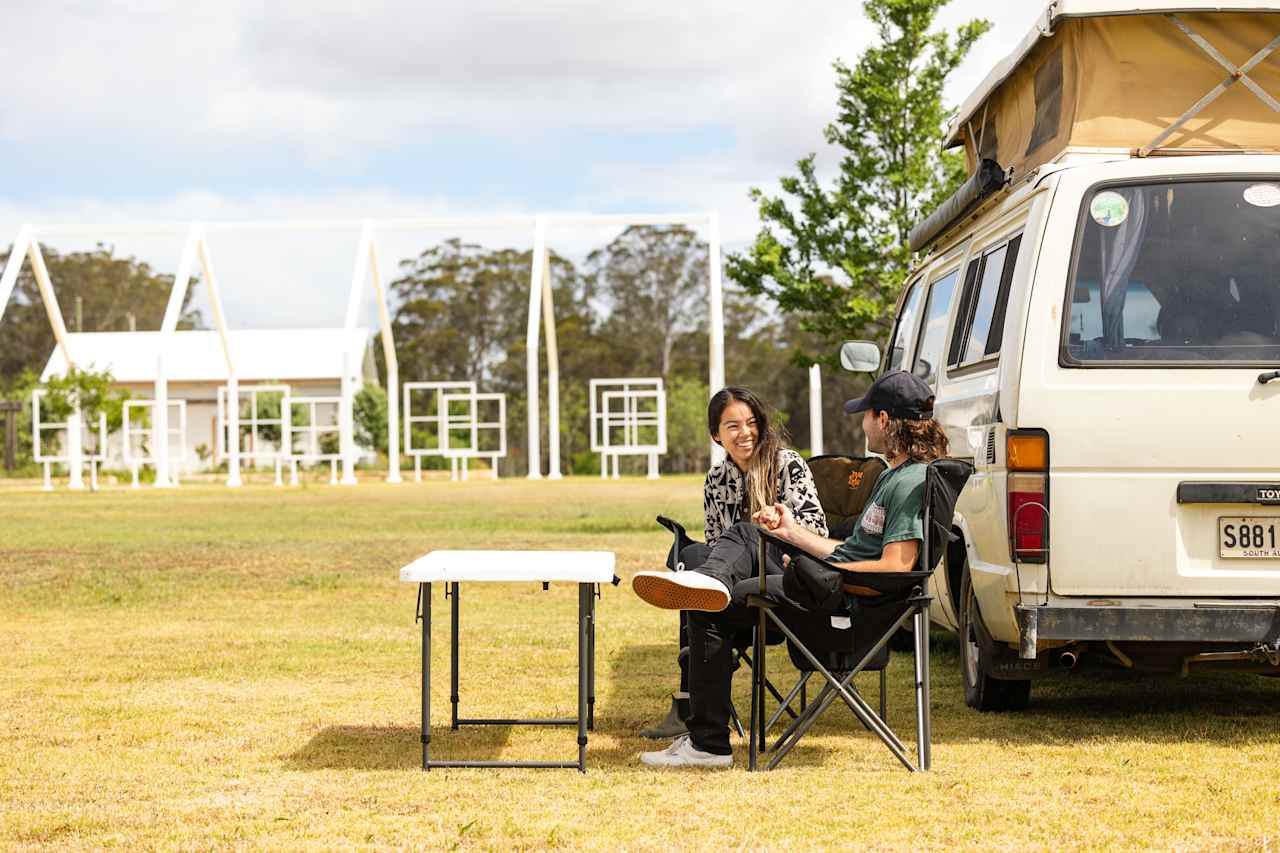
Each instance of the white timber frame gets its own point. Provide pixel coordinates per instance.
(230, 423)
(444, 423)
(195, 250)
(366, 269)
(311, 430)
(630, 418)
(25, 246)
(478, 426)
(540, 301)
(74, 424)
(176, 435)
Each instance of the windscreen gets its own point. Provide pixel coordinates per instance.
(1184, 272)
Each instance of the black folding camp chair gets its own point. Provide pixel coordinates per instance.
(741, 642)
(844, 485)
(903, 597)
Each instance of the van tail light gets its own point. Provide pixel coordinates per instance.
(1028, 485)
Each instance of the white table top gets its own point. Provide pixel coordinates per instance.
(576, 566)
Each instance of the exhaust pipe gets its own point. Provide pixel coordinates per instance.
(1067, 660)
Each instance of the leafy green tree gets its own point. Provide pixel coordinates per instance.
(369, 411)
(653, 284)
(458, 307)
(110, 289)
(92, 390)
(837, 255)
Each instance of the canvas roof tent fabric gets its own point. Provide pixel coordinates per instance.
(261, 355)
(1115, 75)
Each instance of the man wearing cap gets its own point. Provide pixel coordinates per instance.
(897, 418)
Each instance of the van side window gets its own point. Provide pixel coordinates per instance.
(906, 327)
(980, 320)
(934, 332)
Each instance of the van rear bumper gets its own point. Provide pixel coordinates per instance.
(1192, 623)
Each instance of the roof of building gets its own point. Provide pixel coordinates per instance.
(1059, 10)
(259, 355)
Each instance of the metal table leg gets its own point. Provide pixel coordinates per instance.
(453, 652)
(594, 591)
(424, 589)
(586, 599)
(586, 683)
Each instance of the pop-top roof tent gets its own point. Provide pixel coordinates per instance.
(1108, 76)
(1118, 75)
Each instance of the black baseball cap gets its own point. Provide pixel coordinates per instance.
(901, 394)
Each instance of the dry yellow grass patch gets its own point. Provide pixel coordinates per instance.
(204, 668)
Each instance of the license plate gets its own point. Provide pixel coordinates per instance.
(1248, 537)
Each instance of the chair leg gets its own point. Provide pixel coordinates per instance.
(736, 720)
(860, 708)
(800, 727)
(924, 727)
(786, 703)
(768, 685)
(884, 698)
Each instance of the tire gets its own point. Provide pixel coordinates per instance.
(981, 691)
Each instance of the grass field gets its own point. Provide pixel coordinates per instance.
(205, 668)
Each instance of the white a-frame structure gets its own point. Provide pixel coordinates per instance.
(25, 246)
(195, 251)
(540, 301)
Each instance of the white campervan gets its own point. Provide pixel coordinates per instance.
(1098, 309)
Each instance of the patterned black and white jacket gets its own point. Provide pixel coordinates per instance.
(724, 494)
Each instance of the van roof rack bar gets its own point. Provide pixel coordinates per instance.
(1234, 75)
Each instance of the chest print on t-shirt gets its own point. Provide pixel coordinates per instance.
(873, 520)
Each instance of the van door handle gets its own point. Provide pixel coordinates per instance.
(1264, 378)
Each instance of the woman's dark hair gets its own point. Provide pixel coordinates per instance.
(765, 466)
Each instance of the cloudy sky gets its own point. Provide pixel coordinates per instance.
(166, 112)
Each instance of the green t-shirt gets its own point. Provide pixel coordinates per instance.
(893, 514)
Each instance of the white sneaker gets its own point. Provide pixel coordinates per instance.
(681, 590)
(682, 753)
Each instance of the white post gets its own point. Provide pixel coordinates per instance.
(553, 374)
(75, 449)
(75, 461)
(531, 343)
(233, 432)
(716, 360)
(815, 410)
(160, 411)
(233, 384)
(347, 436)
(393, 369)
(653, 466)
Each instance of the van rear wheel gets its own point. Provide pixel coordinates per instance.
(981, 691)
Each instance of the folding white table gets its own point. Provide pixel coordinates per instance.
(588, 569)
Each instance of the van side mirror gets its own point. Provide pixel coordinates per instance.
(860, 356)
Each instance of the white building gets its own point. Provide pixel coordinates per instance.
(309, 361)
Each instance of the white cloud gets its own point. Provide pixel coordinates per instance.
(335, 86)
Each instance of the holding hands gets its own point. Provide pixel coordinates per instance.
(777, 519)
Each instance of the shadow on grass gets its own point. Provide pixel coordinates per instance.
(395, 747)
(636, 695)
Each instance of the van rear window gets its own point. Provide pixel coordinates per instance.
(1182, 272)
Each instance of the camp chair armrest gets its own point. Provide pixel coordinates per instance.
(888, 583)
(785, 547)
(763, 602)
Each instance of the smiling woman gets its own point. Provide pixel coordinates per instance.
(759, 470)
